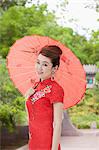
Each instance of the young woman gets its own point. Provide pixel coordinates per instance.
(45, 102)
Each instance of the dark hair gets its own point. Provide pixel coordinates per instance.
(53, 52)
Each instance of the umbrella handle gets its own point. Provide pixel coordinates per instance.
(37, 84)
(31, 93)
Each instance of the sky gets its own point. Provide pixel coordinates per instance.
(84, 18)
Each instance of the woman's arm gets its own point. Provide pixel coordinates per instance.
(29, 92)
(58, 110)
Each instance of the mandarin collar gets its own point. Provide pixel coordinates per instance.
(45, 81)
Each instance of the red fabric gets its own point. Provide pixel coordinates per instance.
(41, 116)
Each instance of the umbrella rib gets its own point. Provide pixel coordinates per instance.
(27, 51)
(72, 92)
(77, 77)
(48, 40)
(31, 52)
(39, 40)
(26, 60)
(72, 75)
(20, 67)
(22, 82)
(70, 83)
(23, 73)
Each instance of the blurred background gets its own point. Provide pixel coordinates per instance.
(73, 22)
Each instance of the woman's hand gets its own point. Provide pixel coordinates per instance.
(29, 93)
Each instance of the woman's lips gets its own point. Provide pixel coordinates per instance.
(40, 72)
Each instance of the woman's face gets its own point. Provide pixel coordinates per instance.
(43, 66)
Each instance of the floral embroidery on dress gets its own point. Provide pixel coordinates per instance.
(41, 93)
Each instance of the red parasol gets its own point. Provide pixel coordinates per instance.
(21, 61)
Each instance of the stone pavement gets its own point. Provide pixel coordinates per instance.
(89, 140)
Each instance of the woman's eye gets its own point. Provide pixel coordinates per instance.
(45, 65)
(42, 64)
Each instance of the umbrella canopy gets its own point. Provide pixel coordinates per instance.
(21, 61)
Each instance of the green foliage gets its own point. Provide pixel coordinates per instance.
(87, 111)
(19, 21)
(7, 89)
(5, 4)
(97, 77)
(6, 116)
(11, 115)
(12, 104)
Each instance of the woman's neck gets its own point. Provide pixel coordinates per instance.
(42, 79)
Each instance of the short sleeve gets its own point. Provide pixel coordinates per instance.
(57, 94)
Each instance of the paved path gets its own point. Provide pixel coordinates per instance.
(88, 141)
(80, 143)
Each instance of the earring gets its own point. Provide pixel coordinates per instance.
(52, 77)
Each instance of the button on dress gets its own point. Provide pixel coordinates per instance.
(40, 114)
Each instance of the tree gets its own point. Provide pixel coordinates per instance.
(6, 4)
(17, 21)
(94, 5)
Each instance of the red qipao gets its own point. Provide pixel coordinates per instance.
(40, 113)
